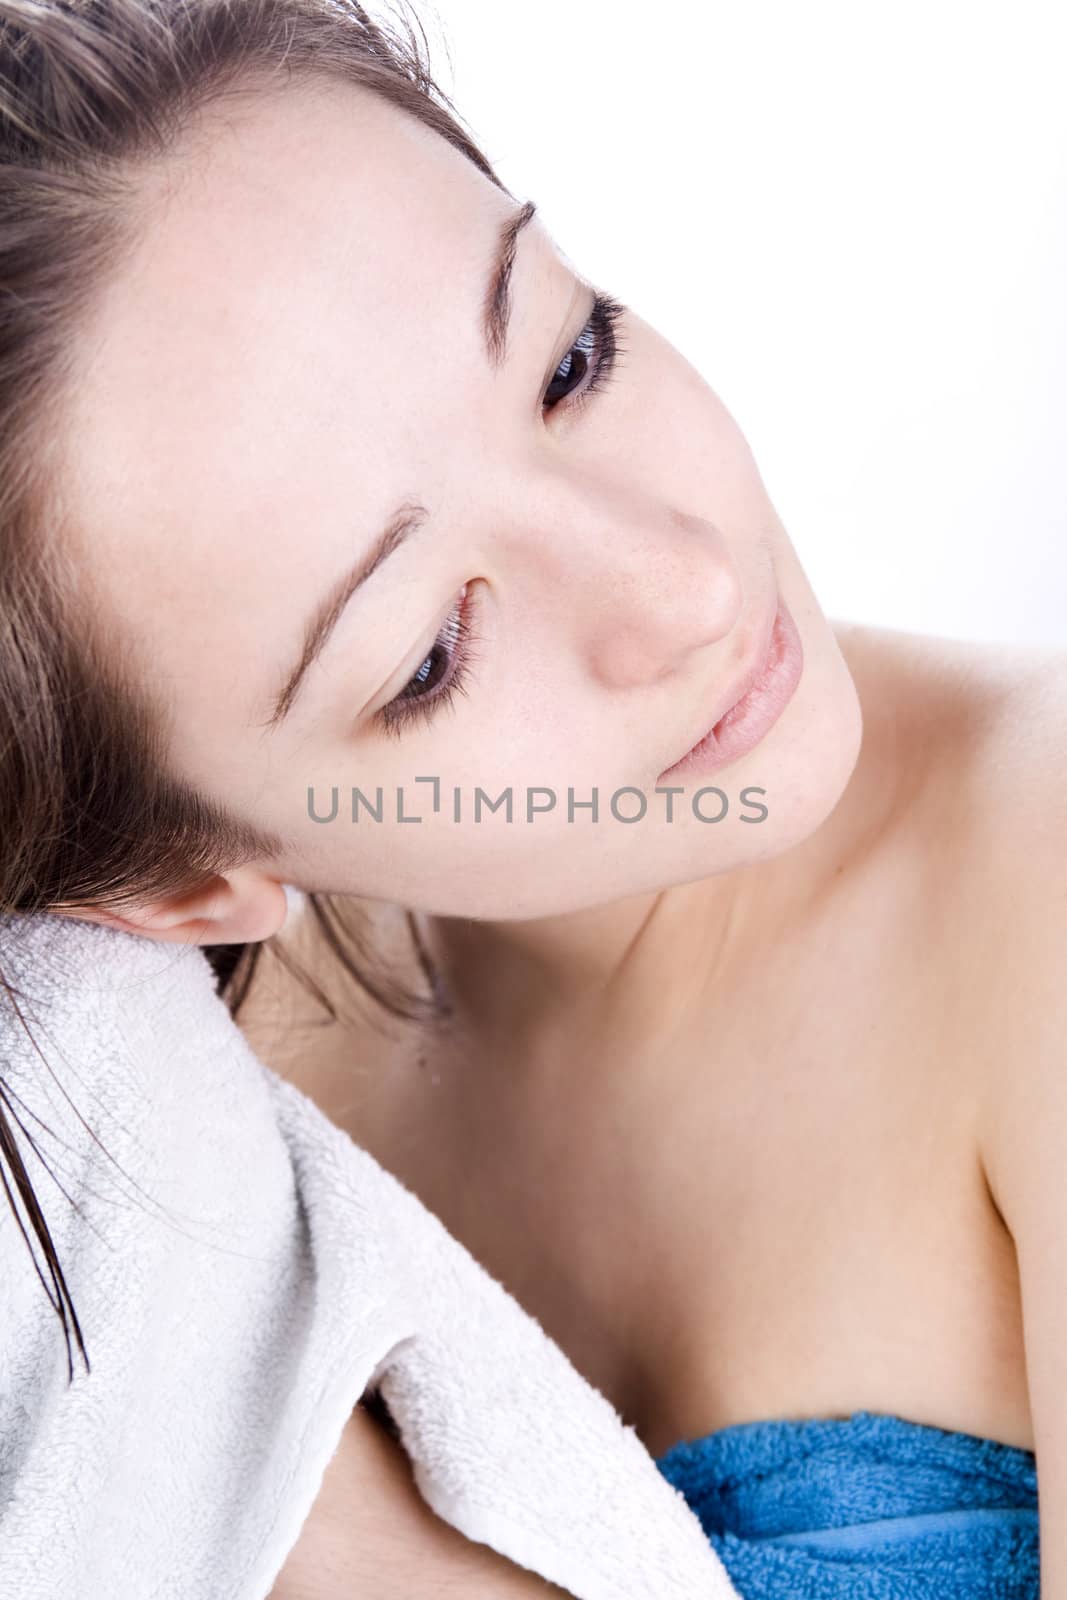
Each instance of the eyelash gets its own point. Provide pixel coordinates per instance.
(461, 635)
(601, 354)
(604, 323)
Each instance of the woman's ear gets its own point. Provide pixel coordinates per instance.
(243, 906)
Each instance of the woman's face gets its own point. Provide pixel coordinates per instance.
(297, 353)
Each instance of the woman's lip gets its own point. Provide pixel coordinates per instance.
(751, 710)
(745, 678)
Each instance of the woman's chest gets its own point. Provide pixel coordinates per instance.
(726, 1240)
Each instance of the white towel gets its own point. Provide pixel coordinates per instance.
(243, 1273)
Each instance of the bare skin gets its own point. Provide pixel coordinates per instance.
(766, 1197)
(369, 1526)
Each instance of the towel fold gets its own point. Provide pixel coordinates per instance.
(242, 1273)
(866, 1507)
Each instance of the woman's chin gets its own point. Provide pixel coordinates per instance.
(783, 791)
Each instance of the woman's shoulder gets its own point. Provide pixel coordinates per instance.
(981, 671)
(972, 737)
(983, 718)
(978, 739)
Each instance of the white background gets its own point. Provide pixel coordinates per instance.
(852, 218)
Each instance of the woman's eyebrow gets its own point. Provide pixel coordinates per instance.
(328, 612)
(497, 309)
(496, 312)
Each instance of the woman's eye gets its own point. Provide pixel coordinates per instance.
(441, 675)
(592, 358)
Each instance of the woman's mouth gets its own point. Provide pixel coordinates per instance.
(751, 717)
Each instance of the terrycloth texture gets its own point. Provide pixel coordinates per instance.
(242, 1273)
(868, 1507)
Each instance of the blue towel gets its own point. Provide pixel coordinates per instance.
(870, 1506)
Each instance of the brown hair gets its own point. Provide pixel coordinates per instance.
(92, 93)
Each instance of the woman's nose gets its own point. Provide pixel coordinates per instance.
(662, 587)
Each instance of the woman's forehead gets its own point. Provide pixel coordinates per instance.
(322, 270)
(314, 288)
(309, 206)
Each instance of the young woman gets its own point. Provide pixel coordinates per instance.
(339, 509)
